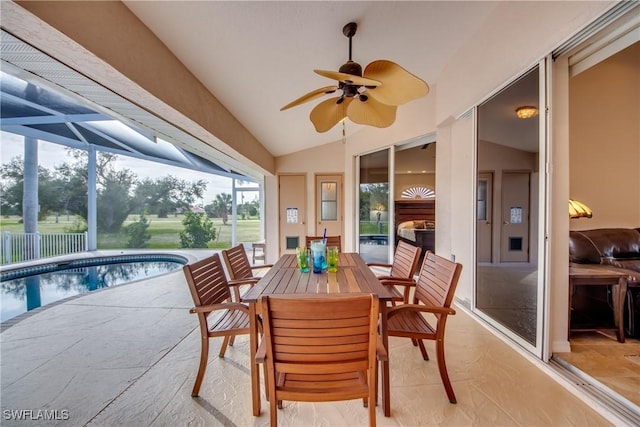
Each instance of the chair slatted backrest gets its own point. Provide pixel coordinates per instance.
(331, 241)
(237, 262)
(405, 260)
(207, 281)
(321, 335)
(437, 282)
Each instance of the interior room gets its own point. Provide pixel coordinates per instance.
(604, 149)
(507, 207)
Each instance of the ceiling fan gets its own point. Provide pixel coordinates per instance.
(369, 98)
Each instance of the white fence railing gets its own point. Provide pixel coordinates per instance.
(17, 247)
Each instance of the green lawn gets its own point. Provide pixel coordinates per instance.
(164, 231)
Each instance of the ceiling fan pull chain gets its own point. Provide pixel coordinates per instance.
(344, 134)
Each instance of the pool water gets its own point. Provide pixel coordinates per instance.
(27, 292)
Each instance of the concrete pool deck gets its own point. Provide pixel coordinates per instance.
(128, 355)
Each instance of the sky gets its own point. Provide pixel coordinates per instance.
(51, 155)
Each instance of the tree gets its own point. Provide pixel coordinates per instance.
(119, 193)
(12, 177)
(254, 208)
(71, 190)
(222, 206)
(168, 194)
(210, 210)
(198, 231)
(114, 197)
(372, 197)
(114, 200)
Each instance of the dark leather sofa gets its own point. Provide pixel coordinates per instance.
(618, 248)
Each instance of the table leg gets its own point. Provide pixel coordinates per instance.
(619, 291)
(386, 396)
(255, 371)
(571, 291)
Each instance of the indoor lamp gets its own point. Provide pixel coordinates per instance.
(579, 210)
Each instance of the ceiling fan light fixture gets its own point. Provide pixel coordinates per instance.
(526, 112)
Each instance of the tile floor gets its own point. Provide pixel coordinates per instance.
(128, 356)
(614, 364)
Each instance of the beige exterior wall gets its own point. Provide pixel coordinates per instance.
(328, 159)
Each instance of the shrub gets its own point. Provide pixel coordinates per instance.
(198, 231)
(138, 233)
(79, 226)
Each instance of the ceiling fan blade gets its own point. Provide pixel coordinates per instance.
(372, 113)
(328, 113)
(309, 96)
(399, 86)
(348, 78)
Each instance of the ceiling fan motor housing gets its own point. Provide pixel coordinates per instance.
(352, 68)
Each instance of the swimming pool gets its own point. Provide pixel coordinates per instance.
(28, 288)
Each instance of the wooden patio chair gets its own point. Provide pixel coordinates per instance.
(331, 241)
(321, 350)
(240, 270)
(210, 292)
(433, 295)
(405, 261)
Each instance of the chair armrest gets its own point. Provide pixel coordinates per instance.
(261, 354)
(402, 281)
(257, 267)
(378, 264)
(421, 308)
(223, 306)
(397, 296)
(381, 352)
(248, 281)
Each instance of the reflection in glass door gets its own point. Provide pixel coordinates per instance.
(373, 217)
(484, 225)
(508, 270)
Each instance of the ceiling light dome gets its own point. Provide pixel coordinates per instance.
(526, 112)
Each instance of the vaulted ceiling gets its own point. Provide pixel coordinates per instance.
(255, 57)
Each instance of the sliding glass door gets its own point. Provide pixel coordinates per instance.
(373, 206)
(510, 210)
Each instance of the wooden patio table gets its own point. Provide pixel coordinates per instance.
(285, 278)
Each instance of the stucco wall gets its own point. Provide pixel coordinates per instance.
(604, 126)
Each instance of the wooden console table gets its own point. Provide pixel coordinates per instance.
(601, 276)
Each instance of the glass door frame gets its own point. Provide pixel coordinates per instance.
(541, 347)
(391, 168)
(420, 140)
